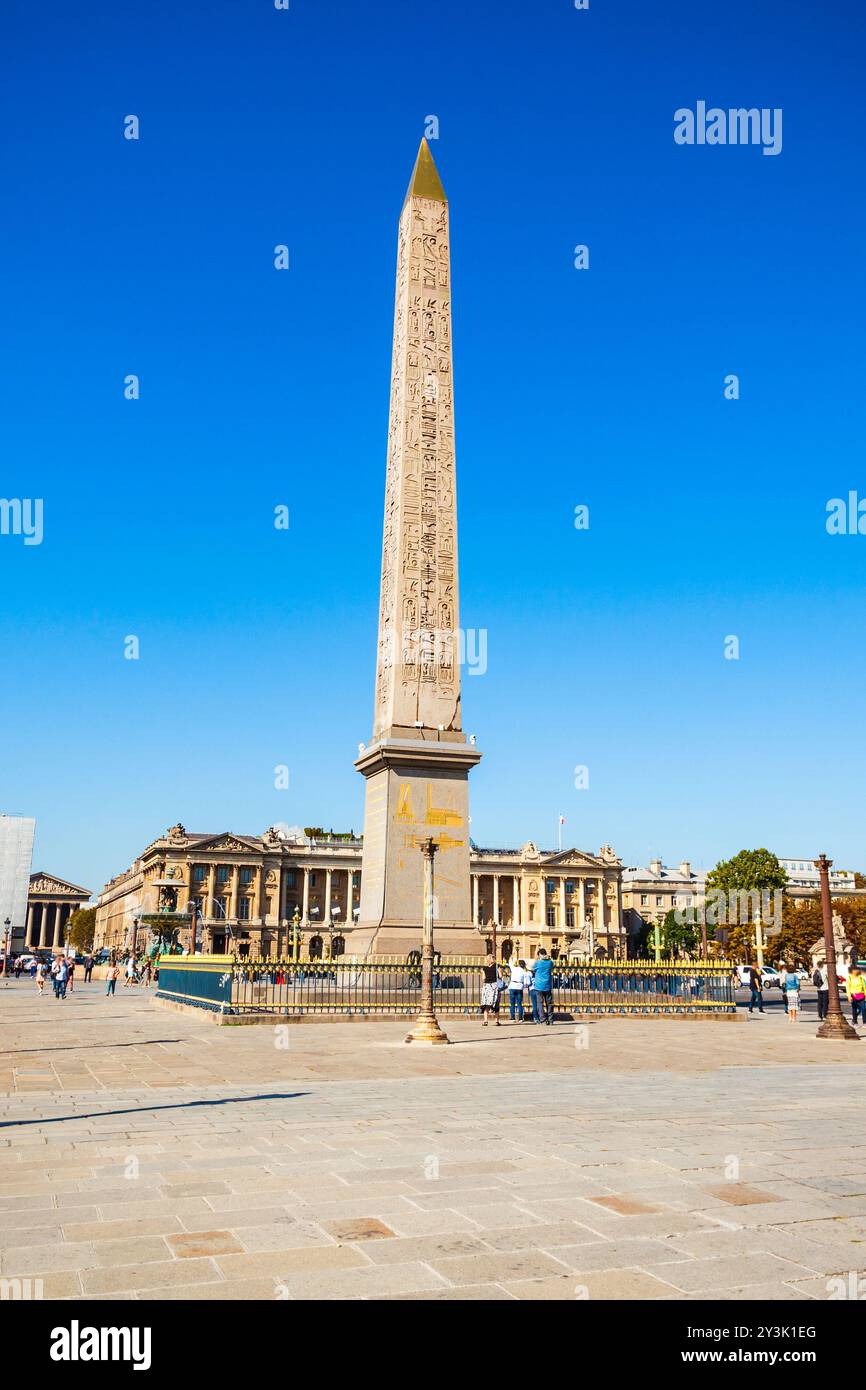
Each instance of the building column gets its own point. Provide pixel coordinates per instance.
(58, 924)
(475, 900)
(28, 934)
(619, 912)
(601, 903)
(350, 919)
(233, 899)
(305, 910)
(211, 880)
(516, 885)
(259, 896)
(328, 873)
(496, 899)
(581, 889)
(562, 904)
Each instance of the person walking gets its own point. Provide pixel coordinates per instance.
(40, 976)
(792, 995)
(489, 988)
(147, 972)
(55, 970)
(515, 991)
(111, 978)
(61, 978)
(131, 977)
(88, 968)
(821, 981)
(756, 988)
(855, 988)
(70, 975)
(544, 987)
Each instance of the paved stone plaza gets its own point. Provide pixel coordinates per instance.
(149, 1154)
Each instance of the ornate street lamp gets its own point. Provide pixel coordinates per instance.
(427, 1029)
(835, 1025)
(6, 925)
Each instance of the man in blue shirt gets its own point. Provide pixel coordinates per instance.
(544, 987)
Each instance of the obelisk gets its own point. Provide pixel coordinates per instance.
(418, 761)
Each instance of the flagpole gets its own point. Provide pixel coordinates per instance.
(559, 832)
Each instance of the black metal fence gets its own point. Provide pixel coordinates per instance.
(392, 986)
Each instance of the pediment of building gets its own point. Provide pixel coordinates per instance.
(228, 842)
(58, 887)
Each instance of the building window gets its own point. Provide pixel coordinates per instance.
(660, 902)
(243, 909)
(222, 873)
(246, 875)
(200, 873)
(290, 878)
(644, 899)
(551, 916)
(569, 916)
(569, 885)
(356, 880)
(312, 880)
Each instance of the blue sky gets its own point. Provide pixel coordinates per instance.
(604, 387)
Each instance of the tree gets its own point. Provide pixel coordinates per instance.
(741, 880)
(82, 928)
(678, 938)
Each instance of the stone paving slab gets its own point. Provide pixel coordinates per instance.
(145, 1156)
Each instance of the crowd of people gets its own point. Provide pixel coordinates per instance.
(790, 987)
(62, 970)
(534, 980)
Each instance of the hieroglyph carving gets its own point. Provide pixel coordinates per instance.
(418, 675)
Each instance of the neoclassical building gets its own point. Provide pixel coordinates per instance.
(256, 894)
(51, 902)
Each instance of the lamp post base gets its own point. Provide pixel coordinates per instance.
(837, 1026)
(427, 1030)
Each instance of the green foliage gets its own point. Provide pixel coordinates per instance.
(82, 928)
(751, 868)
(678, 938)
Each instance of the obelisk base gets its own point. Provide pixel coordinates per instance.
(416, 787)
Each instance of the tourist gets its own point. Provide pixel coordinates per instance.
(515, 990)
(40, 976)
(147, 972)
(792, 995)
(530, 984)
(489, 988)
(55, 969)
(756, 988)
(131, 976)
(70, 975)
(88, 967)
(855, 988)
(111, 978)
(544, 987)
(821, 981)
(61, 978)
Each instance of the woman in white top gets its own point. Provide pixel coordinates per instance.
(515, 989)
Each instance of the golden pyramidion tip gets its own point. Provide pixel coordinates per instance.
(425, 181)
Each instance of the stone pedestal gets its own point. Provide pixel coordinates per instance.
(416, 788)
